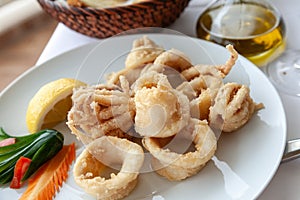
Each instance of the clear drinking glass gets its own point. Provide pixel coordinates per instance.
(284, 72)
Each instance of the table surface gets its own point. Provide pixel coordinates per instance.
(286, 182)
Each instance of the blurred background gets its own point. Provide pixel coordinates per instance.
(24, 32)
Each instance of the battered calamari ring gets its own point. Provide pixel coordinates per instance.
(203, 83)
(175, 59)
(104, 152)
(199, 78)
(232, 108)
(178, 166)
(200, 106)
(173, 76)
(143, 51)
(131, 75)
(161, 111)
(101, 110)
(201, 86)
(150, 79)
(202, 77)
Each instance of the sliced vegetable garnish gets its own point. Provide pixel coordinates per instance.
(7, 141)
(21, 167)
(50, 177)
(39, 147)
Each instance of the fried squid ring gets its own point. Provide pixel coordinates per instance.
(201, 86)
(143, 51)
(161, 111)
(175, 59)
(105, 152)
(178, 166)
(101, 110)
(199, 78)
(131, 75)
(232, 108)
(200, 106)
(202, 77)
(151, 79)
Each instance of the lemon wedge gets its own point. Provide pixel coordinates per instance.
(50, 105)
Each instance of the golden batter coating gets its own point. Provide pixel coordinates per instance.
(143, 51)
(232, 108)
(200, 106)
(161, 111)
(226, 68)
(202, 83)
(175, 59)
(178, 166)
(101, 110)
(131, 75)
(199, 78)
(104, 152)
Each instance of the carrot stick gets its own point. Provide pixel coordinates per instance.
(49, 178)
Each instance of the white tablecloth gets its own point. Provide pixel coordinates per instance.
(286, 182)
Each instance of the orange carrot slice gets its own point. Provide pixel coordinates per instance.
(49, 178)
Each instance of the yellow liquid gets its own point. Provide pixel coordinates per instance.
(255, 31)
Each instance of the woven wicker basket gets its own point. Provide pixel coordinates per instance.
(102, 23)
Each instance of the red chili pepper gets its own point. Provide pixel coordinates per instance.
(19, 171)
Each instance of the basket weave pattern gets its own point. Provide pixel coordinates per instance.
(102, 23)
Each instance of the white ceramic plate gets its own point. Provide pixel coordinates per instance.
(253, 153)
